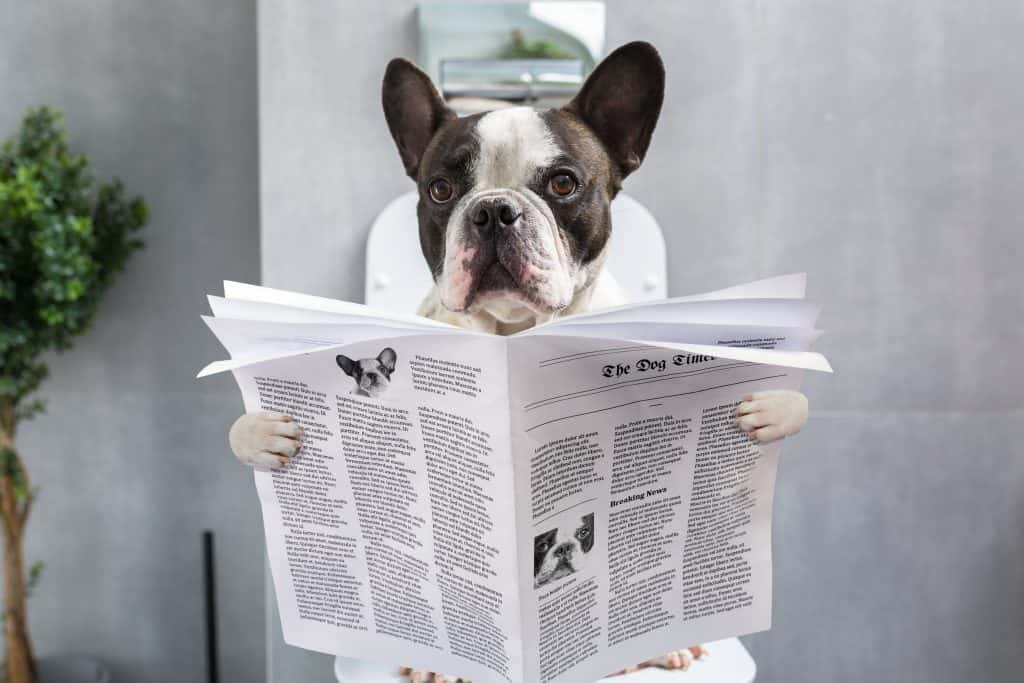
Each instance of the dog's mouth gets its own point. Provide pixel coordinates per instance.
(372, 386)
(562, 569)
(512, 275)
(509, 300)
(496, 278)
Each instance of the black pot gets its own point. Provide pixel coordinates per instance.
(71, 669)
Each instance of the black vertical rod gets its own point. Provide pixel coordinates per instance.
(209, 584)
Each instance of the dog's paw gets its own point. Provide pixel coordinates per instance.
(430, 677)
(771, 415)
(265, 439)
(677, 659)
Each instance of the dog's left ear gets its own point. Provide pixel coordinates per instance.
(347, 365)
(414, 111)
(621, 101)
(388, 358)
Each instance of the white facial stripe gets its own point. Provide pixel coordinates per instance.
(514, 143)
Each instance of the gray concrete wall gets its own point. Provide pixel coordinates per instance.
(875, 145)
(132, 456)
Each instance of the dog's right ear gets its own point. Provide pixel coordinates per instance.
(621, 101)
(346, 364)
(414, 111)
(388, 359)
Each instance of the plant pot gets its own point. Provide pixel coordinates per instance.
(71, 669)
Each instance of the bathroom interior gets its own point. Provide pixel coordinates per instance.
(872, 145)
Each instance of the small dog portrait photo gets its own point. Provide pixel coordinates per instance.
(562, 550)
(372, 376)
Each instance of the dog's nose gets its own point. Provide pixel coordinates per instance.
(564, 551)
(496, 212)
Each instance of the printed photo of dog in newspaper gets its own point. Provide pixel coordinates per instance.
(372, 376)
(563, 550)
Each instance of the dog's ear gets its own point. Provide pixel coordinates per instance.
(346, 364)
(414, 111)
(587, 542)
(621, 101)
(388, 358)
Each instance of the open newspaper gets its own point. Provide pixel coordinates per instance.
(550, 506)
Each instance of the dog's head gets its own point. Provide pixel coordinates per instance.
(514, 212)
(562, 551)
(372, 375)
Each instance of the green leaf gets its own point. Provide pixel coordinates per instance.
(32, 580)
(29, 408)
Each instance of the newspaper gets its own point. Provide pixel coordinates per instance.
(549, 506)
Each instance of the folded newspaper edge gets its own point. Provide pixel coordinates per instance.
(546, 507)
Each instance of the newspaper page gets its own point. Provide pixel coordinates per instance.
(645, 511)
(388, 535)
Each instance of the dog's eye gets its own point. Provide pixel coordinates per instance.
(582, 533)
(562, 184)
(441, 190)
(543, 547)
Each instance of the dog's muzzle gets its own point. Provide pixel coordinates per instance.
(506, 244)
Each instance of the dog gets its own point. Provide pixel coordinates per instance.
(372, 375)
(514, 219)
(562, 551)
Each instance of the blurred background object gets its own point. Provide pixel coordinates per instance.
(490, 55)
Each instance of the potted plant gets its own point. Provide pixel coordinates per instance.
(62, 241)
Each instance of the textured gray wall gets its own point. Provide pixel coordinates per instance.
(132, 456)
(875, 145)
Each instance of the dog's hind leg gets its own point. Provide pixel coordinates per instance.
(677, 659)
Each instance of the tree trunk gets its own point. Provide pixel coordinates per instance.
(19, 666)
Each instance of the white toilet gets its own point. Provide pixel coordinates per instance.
(397, 279)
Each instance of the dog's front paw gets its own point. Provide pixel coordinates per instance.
(265, 439)
(770, 415)
(430, 677)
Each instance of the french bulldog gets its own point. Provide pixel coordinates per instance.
(514, 219)
(562, 551)
(371, 375)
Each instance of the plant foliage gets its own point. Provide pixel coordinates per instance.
(519, 47)
(62, 241)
